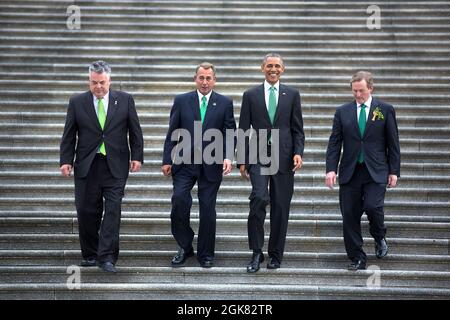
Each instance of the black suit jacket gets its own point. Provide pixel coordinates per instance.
(83, 132)
(380, 143)
(219, 115)
(288, 120)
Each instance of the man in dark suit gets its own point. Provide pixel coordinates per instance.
(194, 115)
(97, 124)
(274, 111)
(367, 130)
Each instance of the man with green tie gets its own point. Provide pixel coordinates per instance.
(200, 111)
(367, 130)
(269, 108)
(102, 126)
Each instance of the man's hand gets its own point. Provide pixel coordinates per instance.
(226, 167)
(166, 170)
(392, 181)
(297, 162)
(135, 166)
(330, 179)
(244, 173)
(66, 169)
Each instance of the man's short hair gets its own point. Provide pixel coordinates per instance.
(100, 67)
(363, 75)
(206, 66)
(272, 55)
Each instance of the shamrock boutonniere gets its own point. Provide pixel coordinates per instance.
(377, 114)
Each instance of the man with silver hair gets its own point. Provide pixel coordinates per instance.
(102, 127)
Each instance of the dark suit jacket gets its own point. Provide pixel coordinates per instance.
(288, 120)
(380, 143)
(82, 121)
(185, 110)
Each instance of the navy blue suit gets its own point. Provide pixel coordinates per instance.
(363, 186)
(219, 116)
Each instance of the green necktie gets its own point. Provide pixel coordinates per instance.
(272, 104)
(101, 120)
(203, 108)
(362, 128)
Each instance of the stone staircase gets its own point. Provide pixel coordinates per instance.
(153, 48)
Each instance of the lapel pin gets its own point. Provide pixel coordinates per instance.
(214, 104)
(115, 102)
(284, 93)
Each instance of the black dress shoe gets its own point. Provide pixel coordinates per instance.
(108, 267)
(273, 263)
(181, 256)
(253, 266)
(357, 265)
(381, 248)
(91, 262)
(206, 263)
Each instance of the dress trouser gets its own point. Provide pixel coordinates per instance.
(183, 182)
(361, 194)
(99, 238)
(277, 190)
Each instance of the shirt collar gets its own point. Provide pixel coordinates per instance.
(105, 98)
(367, 103)
(268, 85)
(200, 96)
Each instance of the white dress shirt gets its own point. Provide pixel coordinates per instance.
(367, 104)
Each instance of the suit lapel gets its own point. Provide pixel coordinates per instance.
(369, 118)
(354, 113)
(90, 109)
(194, 103)
(261, 101)
(112, 108)
(281, 98)
(212, 104)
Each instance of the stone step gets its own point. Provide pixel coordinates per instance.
(333, 215)
(152, 176)
(225, 275)
(314, 28)
(231, 88)
(193, 43)
(123, 291)
(309, 99)
(16, 136)
(249, 77)
(219, 31)
(300, 204)
(233, 258)
(249, 59)
(315, 71)
(155, 154)
(223, 242)
(421, 171)
(318, 53)
(228, 226)
(234, 192)
(144, 106)
(11, 120)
